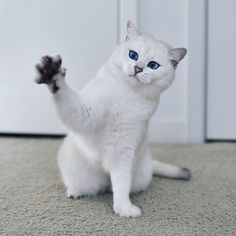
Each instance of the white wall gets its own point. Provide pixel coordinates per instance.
(83, 32)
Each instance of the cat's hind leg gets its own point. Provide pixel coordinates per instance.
(146, 167)
(79, 176)
(142, 174)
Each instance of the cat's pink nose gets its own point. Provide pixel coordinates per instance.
(137, 69)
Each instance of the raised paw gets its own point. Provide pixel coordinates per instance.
(128, 210)
(47, 69)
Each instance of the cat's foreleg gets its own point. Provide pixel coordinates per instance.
(74, 112)
(120, 170)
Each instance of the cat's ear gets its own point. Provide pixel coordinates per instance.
(132, 31)
(176, 55)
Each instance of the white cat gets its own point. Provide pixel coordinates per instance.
(108, 120)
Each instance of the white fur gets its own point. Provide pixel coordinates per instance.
(108, 121)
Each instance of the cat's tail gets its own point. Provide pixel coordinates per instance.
(170, 171)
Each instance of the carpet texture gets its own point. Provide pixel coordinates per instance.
(33, 201)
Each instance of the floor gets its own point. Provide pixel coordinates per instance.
(33, 201)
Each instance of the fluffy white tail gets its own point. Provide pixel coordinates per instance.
(170, 171)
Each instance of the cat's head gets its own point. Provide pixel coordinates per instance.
(144, 60)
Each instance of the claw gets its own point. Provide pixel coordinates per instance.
(39, 68)
(46, 60)
(39, 80)
(58, 58)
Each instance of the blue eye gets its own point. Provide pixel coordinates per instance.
(153, 65)
(133, 55)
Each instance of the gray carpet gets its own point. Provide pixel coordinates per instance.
(33, 201)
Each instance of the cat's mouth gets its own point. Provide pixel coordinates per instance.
(140, 80)
(135, 77)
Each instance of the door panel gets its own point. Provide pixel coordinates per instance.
(221, 107)
(83, 32)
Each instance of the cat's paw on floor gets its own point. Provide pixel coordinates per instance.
(127, 210)
(74, 194)
(75, 197)
(47, 69)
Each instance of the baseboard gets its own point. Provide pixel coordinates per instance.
(159, 132)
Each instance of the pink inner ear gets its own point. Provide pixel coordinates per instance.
(174, 62)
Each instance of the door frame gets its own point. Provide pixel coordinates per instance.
(197, 69)
(127, 10)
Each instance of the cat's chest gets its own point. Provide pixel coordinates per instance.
(131, 107)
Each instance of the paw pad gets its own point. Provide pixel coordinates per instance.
(47, 68)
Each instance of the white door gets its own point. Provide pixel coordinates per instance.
(221, 88)
(83, 32)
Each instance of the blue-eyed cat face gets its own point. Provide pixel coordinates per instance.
(134, 56)
(145, 60)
